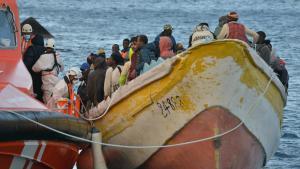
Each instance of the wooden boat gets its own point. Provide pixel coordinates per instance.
(24, 144)
(217, 105)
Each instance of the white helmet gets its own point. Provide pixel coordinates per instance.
(27, 28)
(50, 43)
(74, 71)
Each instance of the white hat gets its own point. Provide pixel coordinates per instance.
(74, 71)
(50, 43)
(27, 28)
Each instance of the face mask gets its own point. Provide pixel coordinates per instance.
(27, 38)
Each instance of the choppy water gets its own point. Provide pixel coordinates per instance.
(80, 27)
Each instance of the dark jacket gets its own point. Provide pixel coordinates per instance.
(264, 52)
(82, 92)
(95, 83)
(145, 55)
(118, 58)
(31, 55)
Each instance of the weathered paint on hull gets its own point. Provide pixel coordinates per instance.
(151, 109)
(236, 150)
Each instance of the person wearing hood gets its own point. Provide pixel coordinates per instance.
(222, 21)
(30, 57)
(112, 76)
(95, 82)
(201, 34)
(49, 65)
(64, 87)
(262, 47)
(235, 30)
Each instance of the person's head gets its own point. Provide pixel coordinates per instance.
(141, 41)
(27, 31)
(101, 53)
(74, 74)
(108, 62)
(115, 48)
(116, 59)
(84, 68)
(133, 42)
(179, 46)
(232, 16)
(50, 44)
(100, 63)
(91, 58)
(168, 29)
(202, 27)
(126, 43)
(262, 37)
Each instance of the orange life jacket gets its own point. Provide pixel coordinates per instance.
(25, 44)
(124, 54)
(237, 31)
(74, 104)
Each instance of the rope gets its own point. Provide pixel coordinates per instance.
(146, 146)
(124, 146)
(103, 114)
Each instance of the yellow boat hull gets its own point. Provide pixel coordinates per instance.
(151, 109)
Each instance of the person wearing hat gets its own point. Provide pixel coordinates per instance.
(82, 88)
(27, 36)
(101, 53)
(168, 30)
(235, 30)
(64, 87)
(49, 65)
(201, 34)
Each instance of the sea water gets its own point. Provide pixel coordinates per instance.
(81, 27)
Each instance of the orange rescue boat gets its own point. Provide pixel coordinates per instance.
(24, 144)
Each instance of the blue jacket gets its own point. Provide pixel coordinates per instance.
(145, 55)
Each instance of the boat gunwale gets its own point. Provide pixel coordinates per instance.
(256, 60)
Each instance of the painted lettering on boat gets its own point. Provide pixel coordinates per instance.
(169, 105)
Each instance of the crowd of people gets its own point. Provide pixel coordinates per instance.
(101, 76)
